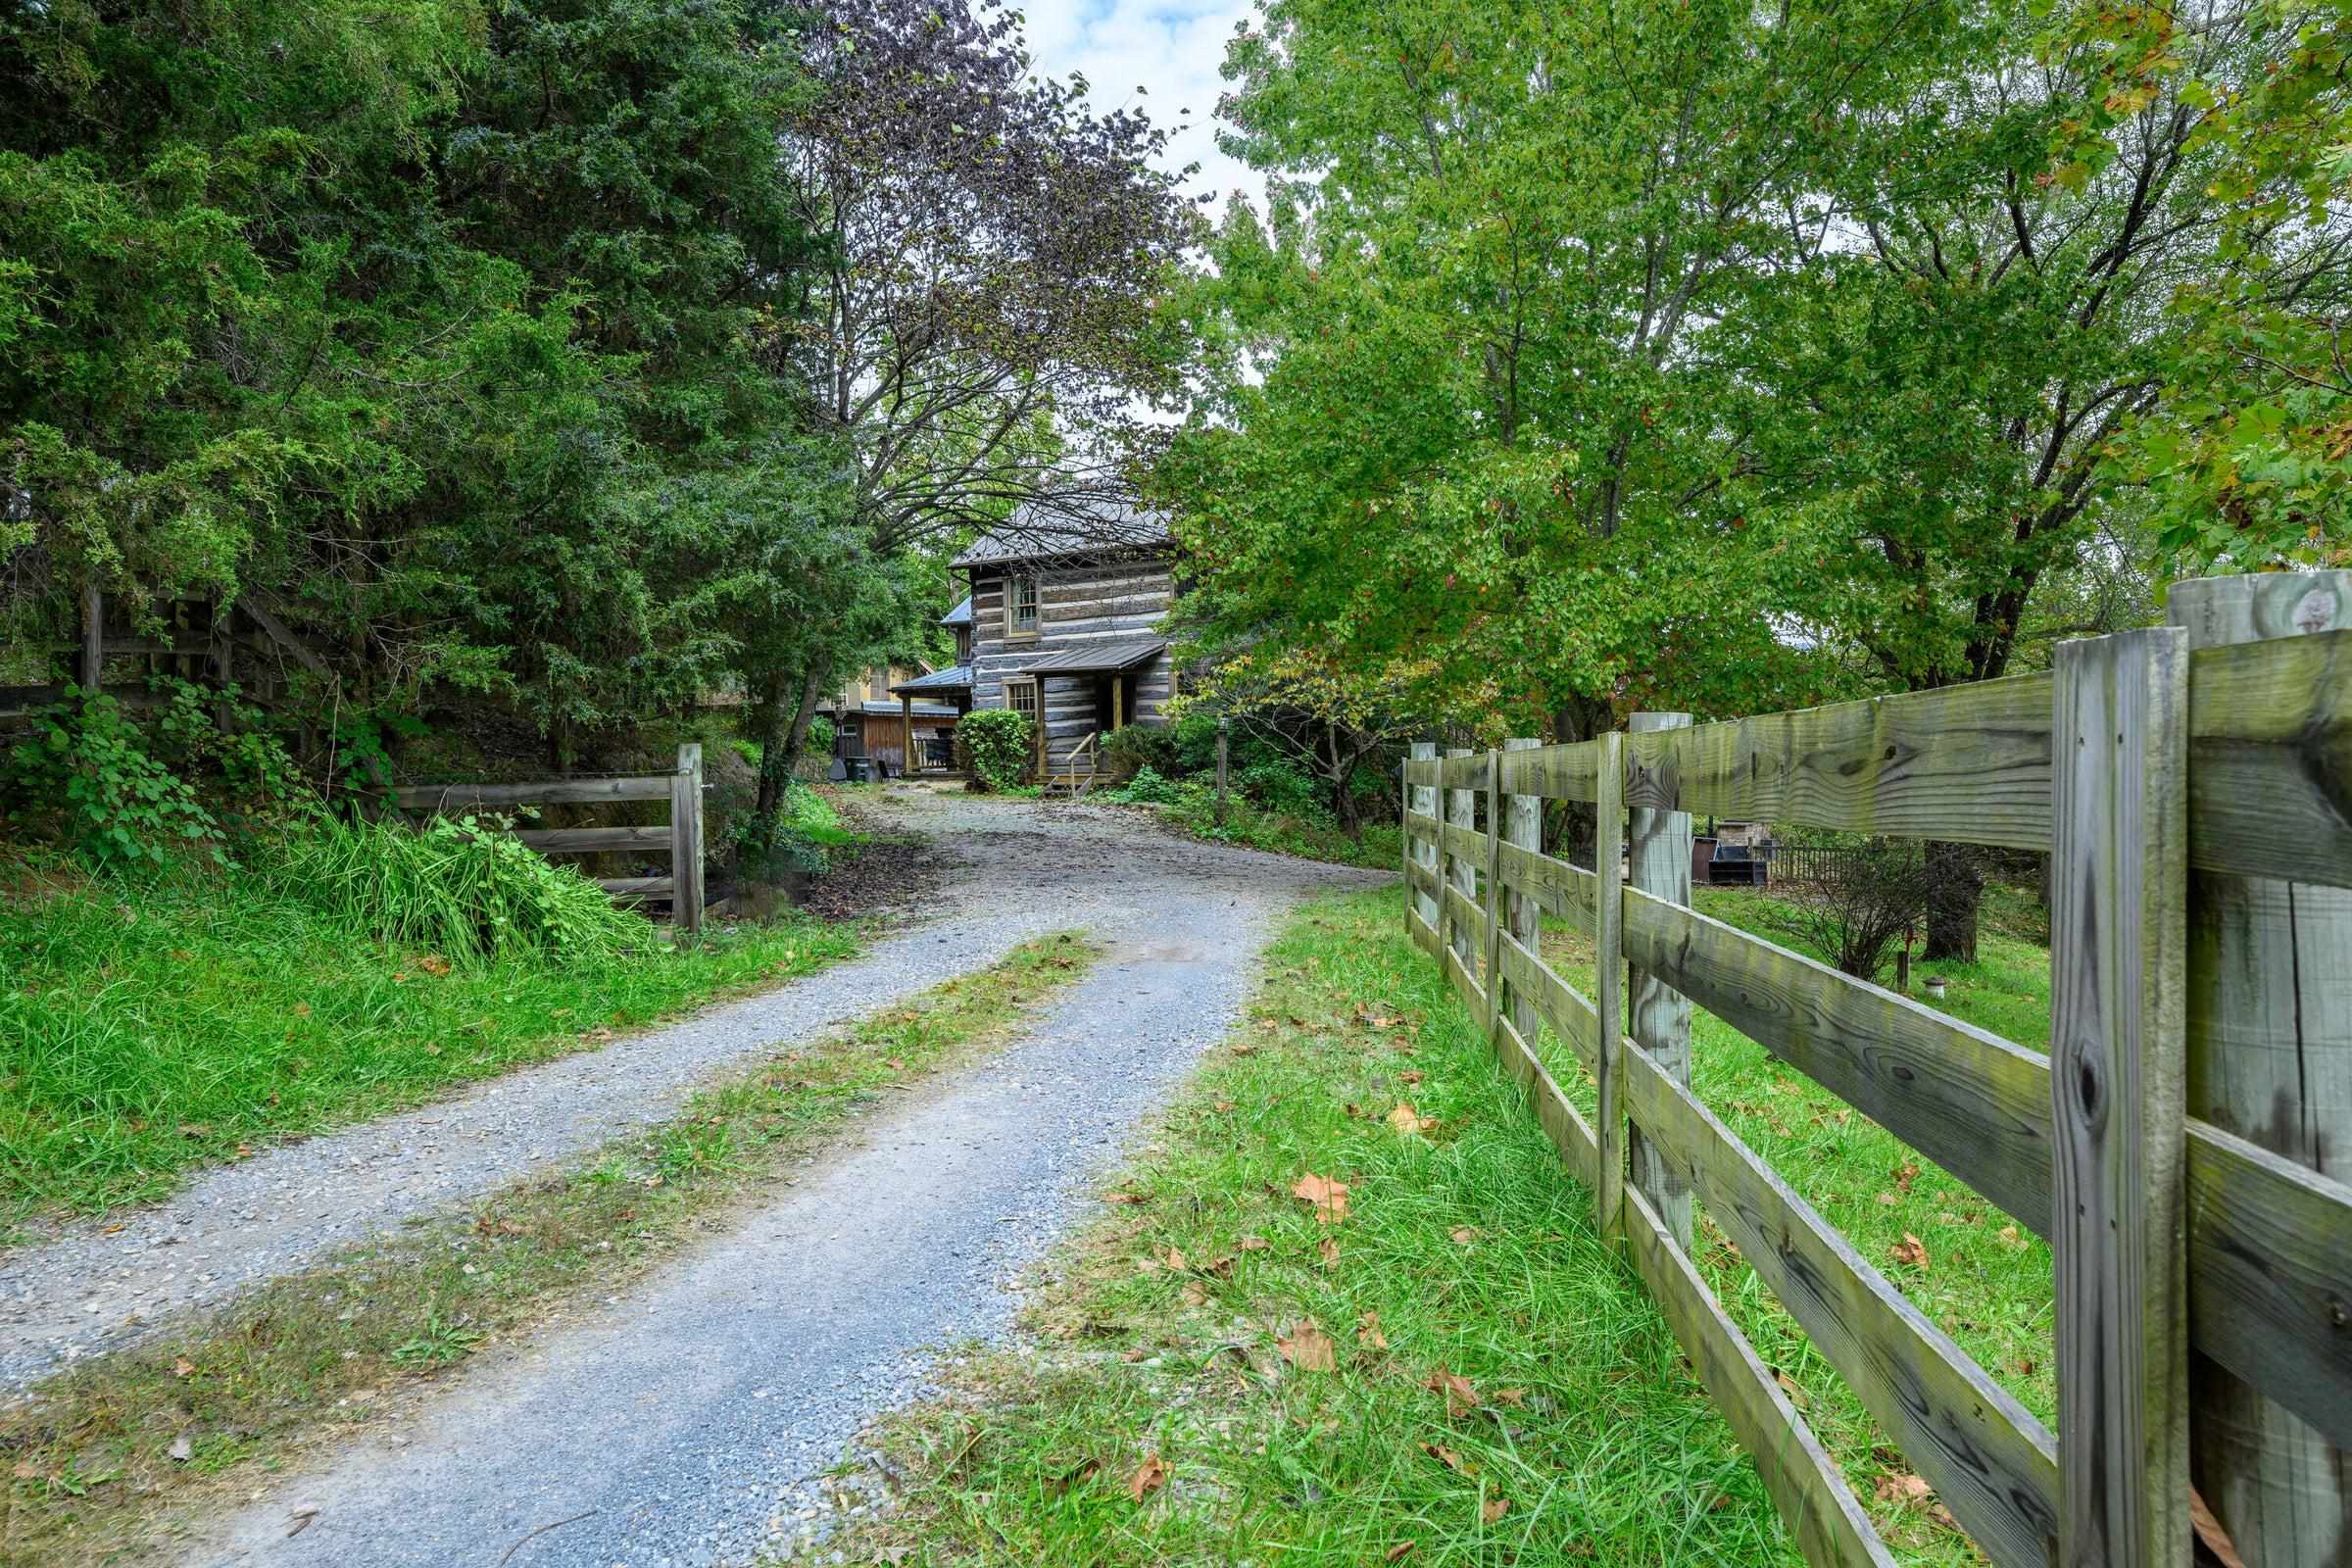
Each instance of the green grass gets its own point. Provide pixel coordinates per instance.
(147, 1031)
(1381, 848)
(315, 1359)
(1479, 1256)
(1476, 1255)
(810, 811)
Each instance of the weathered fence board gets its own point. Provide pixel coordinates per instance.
(1993, 1466)
(1572, 1018)
(595, 840)
(447, 798)
(1657, 860)
(1608, 981)
(2269, 784)
(1568, 772)
(1563, 888)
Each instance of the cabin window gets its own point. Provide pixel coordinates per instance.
(1020, 604)
(1021, 697)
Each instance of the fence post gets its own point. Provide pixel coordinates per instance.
(2119, 808)
(1522, 826)
(93, 637)
(1658, 1016)
(686, 843)
(1608, 977)
(2269, 1059)
(1423, 800)
(1462, 811)
(1492, 958)
(1224, 728)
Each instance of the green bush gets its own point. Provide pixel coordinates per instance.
(86, 775)
(463, 889)
(997, 745)
(1284, 787)
(1149, 787)
(821, 736)
(1133, 748)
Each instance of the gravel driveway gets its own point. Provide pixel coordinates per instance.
(674, 1421)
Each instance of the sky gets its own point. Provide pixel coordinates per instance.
(1172, 49)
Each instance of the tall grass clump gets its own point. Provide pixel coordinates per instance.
(465, 889)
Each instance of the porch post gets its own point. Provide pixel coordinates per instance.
(906, 736)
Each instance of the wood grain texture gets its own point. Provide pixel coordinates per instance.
(1572, 1018)
(1522, 829)
(2269, 1062)
(1608, 980)
(686, 842)
(1969, 763)
(1464, 769)
(1465, 852)
(1555, 885)
(444, 799)
(1972, 1102)
(1488, 968)
(2271, 758)
(2117, 1089)
(1421, 805)
(1567, 772)
(1563, 1124)
(596, 840)
(639, 887)
(1657, 861)
(1820, 1509)
(1988, 1460)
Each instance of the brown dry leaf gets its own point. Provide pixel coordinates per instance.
(1195, 1293)
(1510, 1397)
(1890, 1200)
(1460, 1396)
(1174, 1260)
(1367, 1333)
(1464, 1235)
(1251, 1244)
(1904, 1175)
(2209, 1530)
(1397, 1551)
(1134, 1355)
(1244, 1049)
(1493, 1508)
(1148, 1477)
(1331, 1252)
(2023, 1366)
(1448, 1458)
(1222, 1107)
(1127, 1198)
(434, 965)
(1910, 1249)
(1904, 1487)
(1414, 1076)
(1406, 1120)
(24, 1470)
(895, 1064)
(302, 1009)
(1791, 1388)
(183, 1368)
(1309, 1347)
(1329, 1199)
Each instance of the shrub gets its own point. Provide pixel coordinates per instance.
(1855, 912)
(821, 736)
(1149, 787)
(996, 745)
(1134, 748)
(1283, 788)
(85, 771)
(464, 889)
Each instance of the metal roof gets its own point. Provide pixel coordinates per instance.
(1078, 526)
(960, 615)
(1096, 657)
(956, 677)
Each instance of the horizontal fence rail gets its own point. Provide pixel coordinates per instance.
(2188, 1224)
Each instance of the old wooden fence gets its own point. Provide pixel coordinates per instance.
(2195, 785)
(681, 838)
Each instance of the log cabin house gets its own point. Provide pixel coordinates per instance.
(899, 717)
(1064, 625)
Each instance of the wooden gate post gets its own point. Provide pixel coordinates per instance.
(686, 843)
(1523, 826)
(1658, 1016)
(1223, 726)
(2269, 1059)
(2118, 1226)
(1422, 800)
(1461, 872)
(93, 638)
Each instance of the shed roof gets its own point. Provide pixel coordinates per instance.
(1089, 658)
(1069, 527)
(956, 677)
(960, 615)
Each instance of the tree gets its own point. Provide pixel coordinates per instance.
(1327, 717)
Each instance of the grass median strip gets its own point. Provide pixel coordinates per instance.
(1344, 1309)
(103, 1455)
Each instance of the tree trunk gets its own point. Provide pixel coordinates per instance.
(813, 687)
(1955, 891)
(770, 721)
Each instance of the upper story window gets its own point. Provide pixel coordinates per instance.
(963, 644)
(1020, 604)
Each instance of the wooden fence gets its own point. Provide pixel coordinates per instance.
(2183, 1146)
(681, 839)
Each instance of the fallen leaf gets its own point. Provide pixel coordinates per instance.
(1912, 1251)
(1510, 1397)
(2010, 1236)
(1448, 1458)
(25, 1470)
(1331, 1252)
(1328, 1199)
(1244, 1049)
(1791, 1388)
(2209, 1530)
(1904, 1487)
(183, 1449)
(1904, 1175)
(2023, 1366)
(434, 965)
(1128, 1197)
(1406, 1120)
(1397, 1551)
(1309, 1347)
(301, 1009)
(1133, 1355)
(1460, 1396)
(1251, 1244)
(895, 1064)
(1493, 1508)
(1174, 1260)
(1222, 1107)
(1412, 1077)
(183, 1368)
(1148, 1477)
(1367, 1333)
(1195, 1293)
(1464, 1235)
(1890, 1200)
(300, 1519)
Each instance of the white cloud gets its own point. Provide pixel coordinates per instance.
(1172, 49)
